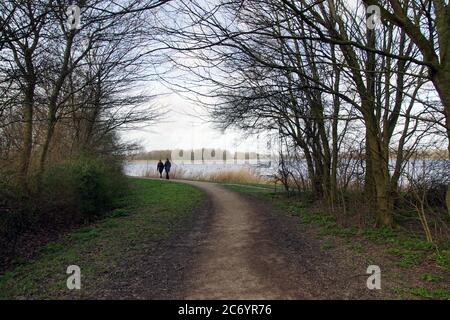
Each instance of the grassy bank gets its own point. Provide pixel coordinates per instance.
(418, 269)
(149, 214)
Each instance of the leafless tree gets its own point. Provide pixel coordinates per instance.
(53, 75)
(311, 70)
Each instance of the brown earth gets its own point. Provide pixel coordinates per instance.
(236, 247)
(251, 251)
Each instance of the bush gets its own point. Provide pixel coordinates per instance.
(435, 195)
(67, 194)
(14, 209)
(87, 186)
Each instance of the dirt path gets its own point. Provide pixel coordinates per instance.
(237, 259)
(236, 247)
(249, 251)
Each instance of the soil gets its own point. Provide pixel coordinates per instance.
(236, 247)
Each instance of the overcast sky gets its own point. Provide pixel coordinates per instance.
(187, 126)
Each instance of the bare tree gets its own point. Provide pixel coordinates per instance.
(313, 65)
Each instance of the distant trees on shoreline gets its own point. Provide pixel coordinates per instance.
(195, 154)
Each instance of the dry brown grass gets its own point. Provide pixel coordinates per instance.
(243, 175)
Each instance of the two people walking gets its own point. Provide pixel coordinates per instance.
(164, 166)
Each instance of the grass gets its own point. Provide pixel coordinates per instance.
(327, 245)
(250, 188)
(407, 249)
(424, 293)
(407, 258)
(410, 249)
(431, 277)
(149, 213)
(443, 259)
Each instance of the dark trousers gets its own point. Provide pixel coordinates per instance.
(167, 174)
(160, 174)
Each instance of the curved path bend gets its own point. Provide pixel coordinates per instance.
(238, 259)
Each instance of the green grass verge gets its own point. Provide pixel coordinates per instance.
(410, 249)
(148, 213)
(424, 293)
(250, 187)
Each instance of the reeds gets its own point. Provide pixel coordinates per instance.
(242, 175)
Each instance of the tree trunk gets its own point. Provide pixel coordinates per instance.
(334, 132)
(334, 163)
(47, 141)
(369, 183)
(380, 175)
(27, 130)
(441, 81)
(27, 136)
(384, 203)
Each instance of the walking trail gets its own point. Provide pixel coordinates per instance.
(249, 251)
(237, 247)
(237, 259)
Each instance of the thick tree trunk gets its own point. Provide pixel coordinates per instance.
(384, 203)
(27, 130)
(380, 174)
(441, 81)
(46, 144)
(369, 183)
(334, 133)
(334, 163)
(27, 136)
(447, 198)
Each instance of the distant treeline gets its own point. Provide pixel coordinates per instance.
(204, 153)
(152, 155)
(435, 154)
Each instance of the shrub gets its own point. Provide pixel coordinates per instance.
(86, 186)
(15, 211)
(65, 195)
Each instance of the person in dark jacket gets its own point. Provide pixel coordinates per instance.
(160, 168)
(167, 166)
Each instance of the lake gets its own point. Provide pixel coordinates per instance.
(437, 170)
(140, 168)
